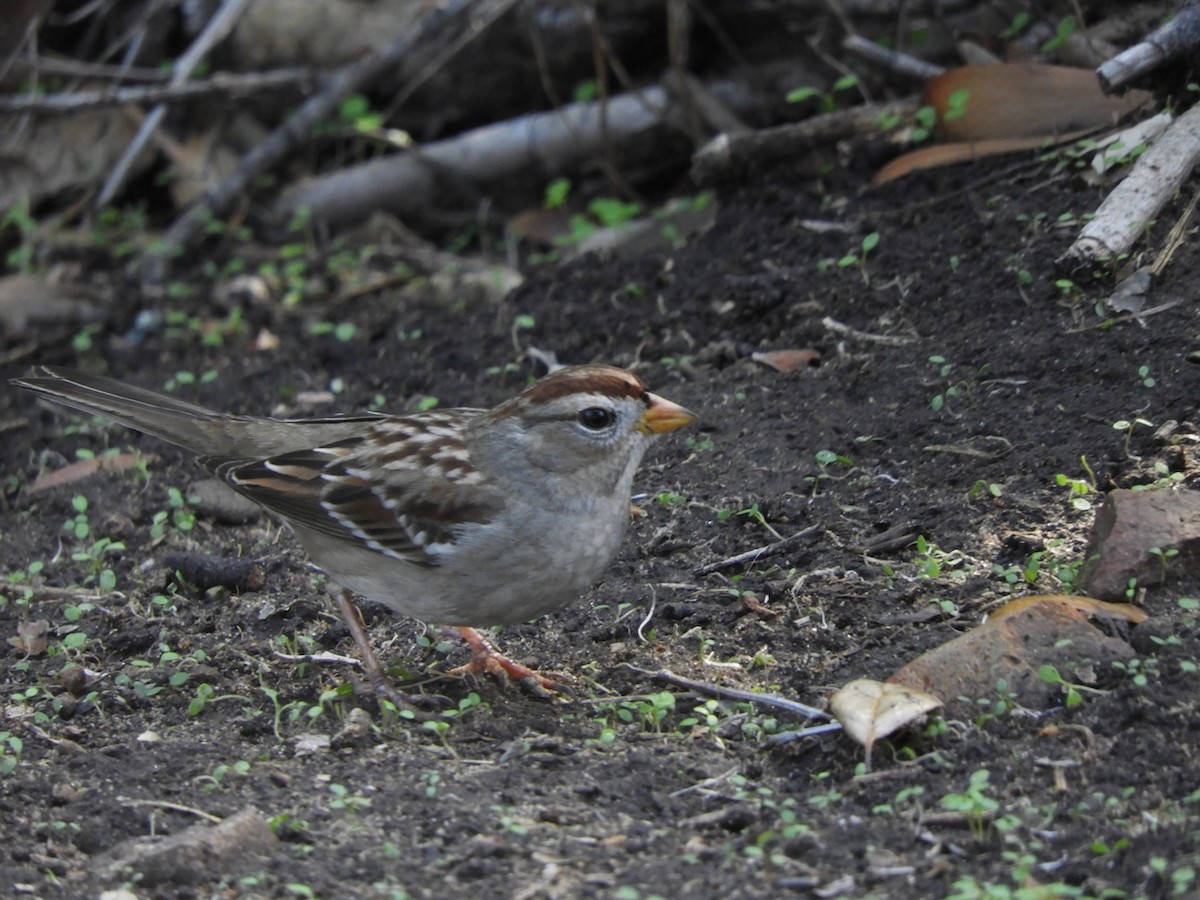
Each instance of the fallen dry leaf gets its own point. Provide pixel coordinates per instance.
(31, 637)
(991, 110)
(870, 710)
(85, 468)
(938, 155)
(976, 103)
(786, 360)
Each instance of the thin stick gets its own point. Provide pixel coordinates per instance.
(890, 340)
(786, 737)
(901, 63)
(233, 84)
(759, 553)
(726, 693)
(174, 807)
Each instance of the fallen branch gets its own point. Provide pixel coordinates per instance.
(1178, 37)
(554, 141)
(728, 154)
(1154, 181)
(228, 84)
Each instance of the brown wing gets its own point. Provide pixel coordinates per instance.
(403, 487)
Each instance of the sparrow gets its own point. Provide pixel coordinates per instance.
(460, 517)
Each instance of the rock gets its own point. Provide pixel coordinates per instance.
(1127, 526)
(1013, 648)
(198, 854)
(217, 501)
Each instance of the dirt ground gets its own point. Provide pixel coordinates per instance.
(633, 788)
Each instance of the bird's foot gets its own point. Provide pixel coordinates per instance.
(486, 658)
(421, 707)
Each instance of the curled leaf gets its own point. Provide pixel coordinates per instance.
(870, 710)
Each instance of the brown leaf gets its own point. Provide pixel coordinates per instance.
(870, 710)
(85, 468)
(991, 110)
(31, 637)
(787, 360)
(1023, 100)
(937, 155)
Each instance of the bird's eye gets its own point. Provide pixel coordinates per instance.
(595, 418)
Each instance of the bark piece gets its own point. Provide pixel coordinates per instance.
(218, 571)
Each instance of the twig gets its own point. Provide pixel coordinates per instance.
(786, 737)
(1179, 36)
(758, 553)
(43, 592)
(707, 784)
(901, 63)
(174, 807)
(728, 155)
(46, 65)
(323, 657)
(727, 693)
(218, 27)
(233, 84)
(890, 340)
(1121, 320)
(1175, 237)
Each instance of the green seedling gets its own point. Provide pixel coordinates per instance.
(1078, 491)
(1072, 691)
(826, 100)
(826, 460)
(974, 803)
(983, 488)
(952, 389)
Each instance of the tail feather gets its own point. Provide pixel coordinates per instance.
(193, 427)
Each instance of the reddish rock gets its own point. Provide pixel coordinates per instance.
(1127, 526)
(1013, 648)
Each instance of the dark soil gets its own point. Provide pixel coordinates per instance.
(597, 796)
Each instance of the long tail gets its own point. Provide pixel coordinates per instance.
(196, 428)
(204, 431)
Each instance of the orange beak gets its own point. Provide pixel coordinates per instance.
(664, 416)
